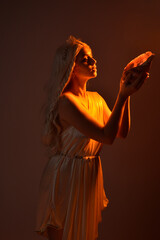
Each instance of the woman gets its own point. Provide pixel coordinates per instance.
(77, 123)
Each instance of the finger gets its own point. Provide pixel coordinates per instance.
(142, 80)
(139, 79)
(139, 84)
(128, 78)
(146, 77)
(125, 77)
(137, 70)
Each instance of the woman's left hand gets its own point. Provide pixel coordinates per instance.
(131, 82)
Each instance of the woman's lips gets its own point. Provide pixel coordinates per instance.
(94, 69)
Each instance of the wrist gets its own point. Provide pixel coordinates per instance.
(122, 97)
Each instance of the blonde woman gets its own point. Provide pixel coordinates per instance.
(77, 123)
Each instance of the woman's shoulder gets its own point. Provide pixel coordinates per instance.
(68, 100)
(100, 99)
(67, 97)
(95, 95)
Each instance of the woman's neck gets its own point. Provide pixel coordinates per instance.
(78, 87)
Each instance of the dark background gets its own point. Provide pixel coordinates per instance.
(117, 31)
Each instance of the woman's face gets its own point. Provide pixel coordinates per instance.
(85, 64)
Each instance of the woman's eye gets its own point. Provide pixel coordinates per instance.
(84, 59)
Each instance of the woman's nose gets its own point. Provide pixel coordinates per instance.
(92, 61)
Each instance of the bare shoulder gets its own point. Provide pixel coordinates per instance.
(67, 100)
(67, 95)
(65, 106)
(70, 109)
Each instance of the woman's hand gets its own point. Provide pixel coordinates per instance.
(131, 82)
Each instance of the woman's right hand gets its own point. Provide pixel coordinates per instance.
(131, 82)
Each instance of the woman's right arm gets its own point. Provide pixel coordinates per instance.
(77, 116)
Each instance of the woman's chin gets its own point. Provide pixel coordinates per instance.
(94, 74)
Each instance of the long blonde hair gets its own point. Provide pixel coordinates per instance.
(63, 65)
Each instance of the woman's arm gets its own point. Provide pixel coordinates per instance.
(75, 115)
(116, 118)
(125, 120)
(71, 112)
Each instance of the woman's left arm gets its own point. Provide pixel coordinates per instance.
(125, 120)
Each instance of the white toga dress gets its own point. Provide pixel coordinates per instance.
(71, 193)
